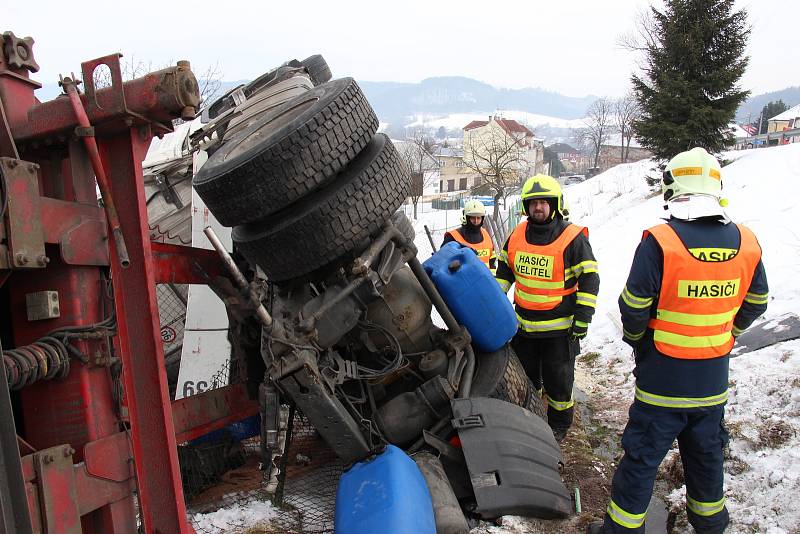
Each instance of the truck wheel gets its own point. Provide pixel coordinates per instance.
(401, 222)
(261, 102)
(318, 69)
(333, 221)
(287, 153)
(500, 375)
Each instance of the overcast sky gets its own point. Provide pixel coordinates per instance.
(568, 46)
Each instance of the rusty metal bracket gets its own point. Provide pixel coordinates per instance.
(105, 458)
(167, 191)
(60, 492)
(24, 224)
(58, 495)
(185, 265)
(116, 102)
(112, 100)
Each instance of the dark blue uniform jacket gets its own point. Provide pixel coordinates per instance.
(662, 375)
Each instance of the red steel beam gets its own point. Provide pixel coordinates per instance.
(184, 265)
(162, 506)
(200, 414)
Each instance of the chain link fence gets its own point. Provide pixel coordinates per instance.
(171, 300)
(311, 472)
(299, 497)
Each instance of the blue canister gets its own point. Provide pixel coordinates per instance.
(384, 494)
(236, 431)
(473, 296)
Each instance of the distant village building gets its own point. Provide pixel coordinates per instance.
(611, 155)
(740, 136)
(784, 122)
(611, 152)
(477, 135)
(787, 120)
(573, 160)
(454, 175)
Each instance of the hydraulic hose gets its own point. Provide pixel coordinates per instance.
(44, 359)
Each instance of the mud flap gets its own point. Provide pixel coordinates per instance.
(512, 460)
(782, 328)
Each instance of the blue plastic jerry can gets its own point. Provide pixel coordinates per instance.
(473, 295)
(385, 494)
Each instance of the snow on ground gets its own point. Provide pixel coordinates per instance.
(238, 516)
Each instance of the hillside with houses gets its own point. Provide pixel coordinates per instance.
(493, 154)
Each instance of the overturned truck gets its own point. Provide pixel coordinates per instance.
(336, 312)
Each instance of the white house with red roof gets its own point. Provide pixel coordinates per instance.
(504, 135)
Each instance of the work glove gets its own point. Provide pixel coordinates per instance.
(578, 330)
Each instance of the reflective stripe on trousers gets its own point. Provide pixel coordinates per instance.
(648, 437)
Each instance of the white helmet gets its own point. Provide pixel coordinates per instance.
(692, 185)
(472, 208)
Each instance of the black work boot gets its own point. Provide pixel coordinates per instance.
(595, 527)
(560, 433)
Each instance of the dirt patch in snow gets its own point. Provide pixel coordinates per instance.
(247, 477)
(774, 433)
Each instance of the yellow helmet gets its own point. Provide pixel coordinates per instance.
(543, 186)
(472, 208)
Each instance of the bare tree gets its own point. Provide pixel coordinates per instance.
(210, 83)
(417, 150)
(598, 126)
(643, 34)
(500, 160)
(626, 110)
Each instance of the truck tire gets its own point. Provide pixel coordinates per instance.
(318, 69)
(331, 222)
(267, 99)
(401, 222)
(287, 153)
(500, 375)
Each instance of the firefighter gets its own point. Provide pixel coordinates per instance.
(555, 277)
(472, 234)
(696, 283)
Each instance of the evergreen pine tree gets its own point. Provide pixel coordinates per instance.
(767, 112)
(689, 89)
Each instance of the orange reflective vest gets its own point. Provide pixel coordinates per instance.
(699, 299)
(484, 249)
(539, 269)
